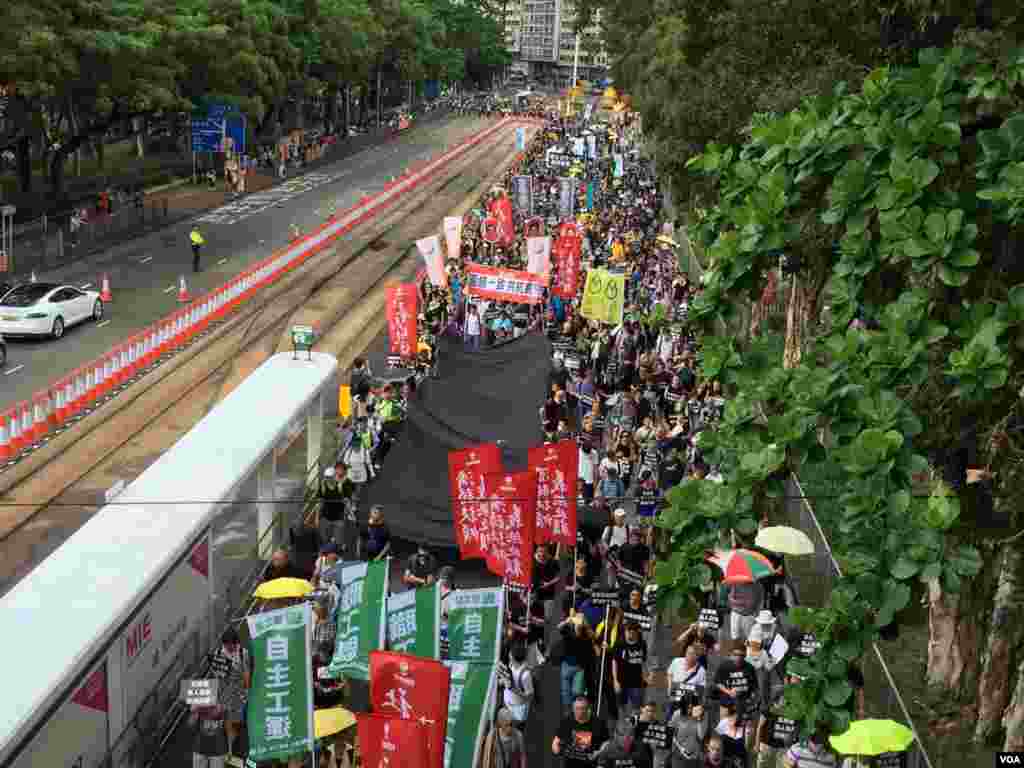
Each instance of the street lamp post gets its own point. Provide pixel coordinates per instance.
(576, 61)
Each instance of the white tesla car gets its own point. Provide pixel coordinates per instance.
(46, 309)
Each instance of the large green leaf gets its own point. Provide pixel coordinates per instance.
(966, 560)
(838, 692)
(904, 568)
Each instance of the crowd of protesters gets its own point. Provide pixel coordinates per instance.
(633, 692)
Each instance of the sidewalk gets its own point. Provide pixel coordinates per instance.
(41, 246)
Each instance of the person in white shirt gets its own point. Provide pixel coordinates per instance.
(685, 671)
(586, 472)
(519, 695)
(473, 328)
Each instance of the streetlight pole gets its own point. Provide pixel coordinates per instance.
(576, 61)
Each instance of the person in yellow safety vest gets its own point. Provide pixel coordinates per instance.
(389, 411)
(196, 238)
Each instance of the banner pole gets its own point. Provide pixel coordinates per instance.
(604, 651)
(574, 576)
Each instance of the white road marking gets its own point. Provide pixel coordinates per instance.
(86, 287)
(101, 323)
(277, 196)
(169, 288)
(15, 369)
(222, 261)
(143, 261)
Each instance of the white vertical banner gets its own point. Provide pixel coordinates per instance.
(430, 249)
(538, 255)
(453, 235)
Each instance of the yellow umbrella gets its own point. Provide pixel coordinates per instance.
(872, 737)
(332, 721)
(784, 540)
(279, 589)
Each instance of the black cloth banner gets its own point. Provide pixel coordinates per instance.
(481, 397)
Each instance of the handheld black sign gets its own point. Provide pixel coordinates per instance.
(709, 618)
(641, 619)
(657, 736)
(604, 597)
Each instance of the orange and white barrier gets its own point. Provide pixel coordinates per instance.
(28, 423)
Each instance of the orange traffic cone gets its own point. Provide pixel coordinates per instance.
(105, 296)
(183, 297)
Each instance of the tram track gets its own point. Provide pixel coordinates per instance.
(57, 497)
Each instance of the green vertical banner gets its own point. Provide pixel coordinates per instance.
(590, 195)
(280, 711)
(473, 686)
(362, 619)
(474, 624)
(414, 622)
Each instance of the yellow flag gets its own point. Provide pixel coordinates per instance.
(345, 401)
(604, 297)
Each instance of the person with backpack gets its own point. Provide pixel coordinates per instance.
(520, 692)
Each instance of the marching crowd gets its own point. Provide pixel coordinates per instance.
(634, 692)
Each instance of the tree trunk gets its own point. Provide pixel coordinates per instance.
(1006, 631)
(24, 155)
(139, 126)
(800, 314)
(101, 155)
(955, 626)
(332, 109)
(1013, 721)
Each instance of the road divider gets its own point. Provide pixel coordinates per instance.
(32, 423)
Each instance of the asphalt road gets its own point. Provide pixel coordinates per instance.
(144, 272)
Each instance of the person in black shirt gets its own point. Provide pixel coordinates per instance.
(281, 567)
(210, 745)
(420, 571)
(635, 555)
(629, 673)
(626, 751)
(559, 374)
(580, 736)
(546, 574)
(736, 680)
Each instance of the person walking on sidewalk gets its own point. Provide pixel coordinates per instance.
(196, 238)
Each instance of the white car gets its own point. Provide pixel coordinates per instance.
(46, 309)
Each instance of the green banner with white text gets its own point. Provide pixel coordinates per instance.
(474, 624)
(280, 711)
(414, 622)
(362, 619)
(469, 706)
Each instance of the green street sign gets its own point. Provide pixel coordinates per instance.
(303, 337)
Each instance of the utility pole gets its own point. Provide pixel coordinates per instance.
(576, 61)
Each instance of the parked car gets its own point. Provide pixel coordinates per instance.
(46, 309)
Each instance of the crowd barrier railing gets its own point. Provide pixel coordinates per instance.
(30, 424)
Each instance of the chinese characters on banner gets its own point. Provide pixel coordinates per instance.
(604, 296)
(466, 470)
(402, 300)
(390, 742)
(566, 197)
(414, 622)
(506, 224)
(522, 190)
(362, 619)
(280, 711)
(513, 520)
(430, 249)
(511, 285)
(453, 235)
(469, 702)
(474, 625)
(412, 688)
(538, 255)
(568, 250)
(557, 468)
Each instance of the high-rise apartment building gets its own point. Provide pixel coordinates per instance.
(547, 42)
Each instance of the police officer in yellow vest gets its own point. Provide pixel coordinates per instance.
(197, 241)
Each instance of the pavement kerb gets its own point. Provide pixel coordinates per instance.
(68, 438)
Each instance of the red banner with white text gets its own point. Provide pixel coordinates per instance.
(412, 688)
(466, 470)
(513, 512)
(387, 741)
(402, 300)
(557, 469)
(506, 226)
(567, 251)
(497, 284)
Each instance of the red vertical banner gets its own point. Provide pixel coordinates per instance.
(557, 468)
(506, 226)
(513, 513)
(402, 300)
(466, 470)
(412, 688)
(568, 251)
(386, 741)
